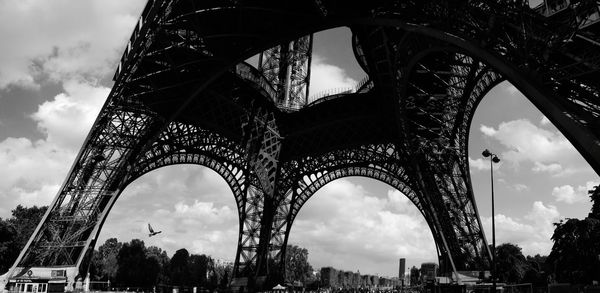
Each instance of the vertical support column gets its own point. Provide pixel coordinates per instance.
(263, 145)
(287, 67)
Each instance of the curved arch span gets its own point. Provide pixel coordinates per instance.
(234, 176)
(367, 171)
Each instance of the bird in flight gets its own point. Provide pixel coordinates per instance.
(152, 232)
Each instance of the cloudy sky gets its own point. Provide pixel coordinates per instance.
(57, 59)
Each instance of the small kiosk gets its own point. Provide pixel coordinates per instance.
(30, 282)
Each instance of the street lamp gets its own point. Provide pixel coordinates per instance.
(493, 159)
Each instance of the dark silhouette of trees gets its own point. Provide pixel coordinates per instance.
(15, 232)
(163, 260)
(575, 255)
(180, 268)
(25, 220)
(104, 263)
(199, 268)
(134, 268)
(297, 267)
(8, 247)
(537, 274)
(226, 277)
(219, 274)
(134, 265)
(510, 263)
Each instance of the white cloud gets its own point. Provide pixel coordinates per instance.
(206, 211)
(398, 202)
(480, 164)
(520, 187)
(67, 119)
(489, 131)
(325, 77)
(550, 168)
(549, 151)
(62, 39)
(532, 233)
(566, 193)
(32, 171)
(570, 195)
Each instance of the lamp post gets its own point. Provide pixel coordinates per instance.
(493, 159)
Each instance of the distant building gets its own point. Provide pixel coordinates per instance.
(428, 272)
(334, 278)
(329, 277)
(402, 268)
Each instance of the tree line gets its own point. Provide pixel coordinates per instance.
(132, 264)
(574, 258)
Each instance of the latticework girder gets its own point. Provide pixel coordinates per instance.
(287, 68)
(182, 94)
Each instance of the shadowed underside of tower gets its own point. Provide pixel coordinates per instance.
(183, 94)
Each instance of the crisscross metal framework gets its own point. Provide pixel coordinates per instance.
(183, 95)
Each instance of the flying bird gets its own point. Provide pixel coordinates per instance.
(152, 233)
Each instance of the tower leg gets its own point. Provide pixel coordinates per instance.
(68, 230)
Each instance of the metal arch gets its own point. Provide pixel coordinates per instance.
(309, 186)
(297, 197)
(187, 144)
(380, 162)
(234, 177)
(381, 159)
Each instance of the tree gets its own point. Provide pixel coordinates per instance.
(134, 268)
(25, 220)
(220, 274)
(224, 282)
(575, 254)
(297, 267)
(537, 272)
(104, 263)
(511, 265)
(163, 260)
(8, 247)
(199, 268)
(15, 232)
(179, 268)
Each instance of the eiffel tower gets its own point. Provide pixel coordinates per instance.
(184, 95)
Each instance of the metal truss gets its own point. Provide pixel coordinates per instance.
(97, 177)
(287, 68)
(183, 94)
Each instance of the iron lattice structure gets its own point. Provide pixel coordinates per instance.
(183, 95)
